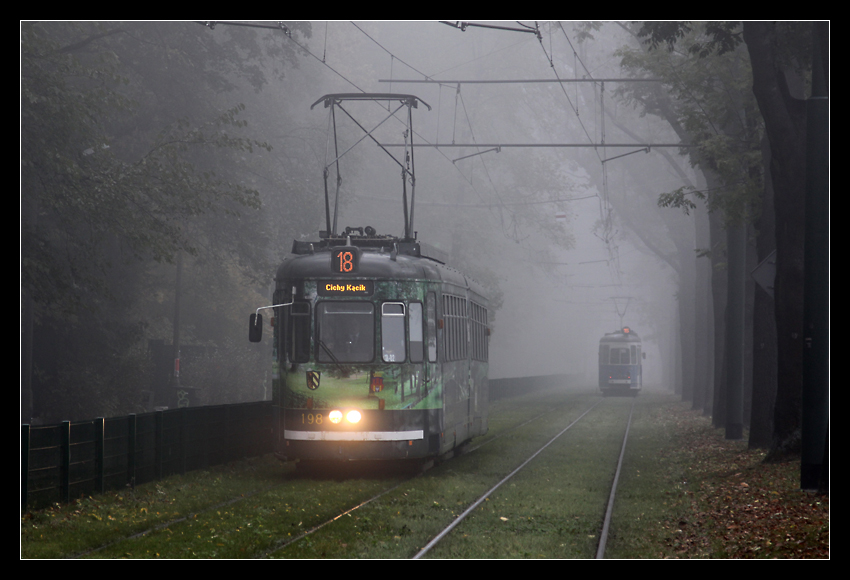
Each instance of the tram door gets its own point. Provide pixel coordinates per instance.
(431, 376)
(416, 346)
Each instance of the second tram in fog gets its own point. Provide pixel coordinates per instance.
(620, 358)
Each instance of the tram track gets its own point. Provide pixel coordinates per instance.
(464, 451)
(421, 499)
(318, 527)
(118, 545)
(442, 536)
(606, 521)
(481, 499)
(609, 509)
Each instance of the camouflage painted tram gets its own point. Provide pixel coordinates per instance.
(380, 352)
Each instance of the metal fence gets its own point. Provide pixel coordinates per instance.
(74, 458)
(506, 388)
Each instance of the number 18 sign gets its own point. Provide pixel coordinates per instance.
(345, 260)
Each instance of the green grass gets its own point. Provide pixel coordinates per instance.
(281, 504)
(684, 492)
(651, 489)
(234, 511)
(553, 508)
(687, 492)
(526, 517)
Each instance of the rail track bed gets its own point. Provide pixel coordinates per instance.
(538, 485)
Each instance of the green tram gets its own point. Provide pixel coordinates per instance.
(380, 352)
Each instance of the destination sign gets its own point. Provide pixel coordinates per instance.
(355, 288)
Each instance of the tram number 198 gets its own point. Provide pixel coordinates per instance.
(312, 418)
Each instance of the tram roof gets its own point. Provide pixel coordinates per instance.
(622, 335)
(389, 260)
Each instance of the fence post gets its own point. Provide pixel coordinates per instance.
(181, 415)
(206, 418)
(131, 450)
(99, 453)
(158, 446)
(228, 436)
(65, 461)
(25, 462)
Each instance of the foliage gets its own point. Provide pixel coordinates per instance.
(134, 150)
(720, 37)
(707, 98)
(82, 194)
(678, 198)
(736, 505)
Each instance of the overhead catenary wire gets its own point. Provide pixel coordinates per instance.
(459, 103)
(482, 205)
(604, 202)
(459, 98)
(592, 145)
(605, 213)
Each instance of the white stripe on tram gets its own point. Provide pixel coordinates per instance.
(353, 435)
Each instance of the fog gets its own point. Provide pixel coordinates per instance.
(532, 218)
(207, 147)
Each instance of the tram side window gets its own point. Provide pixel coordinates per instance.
(345, 332)
(634, 355)
(414, 333)
(431, 312)
(392, 332)
(478, 327)
(298, 332)
(455, 333)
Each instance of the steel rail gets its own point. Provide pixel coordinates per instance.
(640, 146)
(603, 537)
(520, 81)
(316, 528)
(478, 502)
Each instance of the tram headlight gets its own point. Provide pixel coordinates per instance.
(335, 416)
(353, 416)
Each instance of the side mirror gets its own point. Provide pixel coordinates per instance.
(255, 328)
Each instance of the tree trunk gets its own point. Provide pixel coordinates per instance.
(704, 325)
(687, 318)
(785, 124)
(764, 326)
(714, 400)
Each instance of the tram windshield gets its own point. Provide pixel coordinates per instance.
(346, 332)
(619, 356)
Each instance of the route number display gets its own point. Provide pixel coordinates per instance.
(345, 260)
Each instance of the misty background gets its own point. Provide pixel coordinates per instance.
(153, 147)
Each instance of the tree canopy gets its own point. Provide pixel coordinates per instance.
(135, 148)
